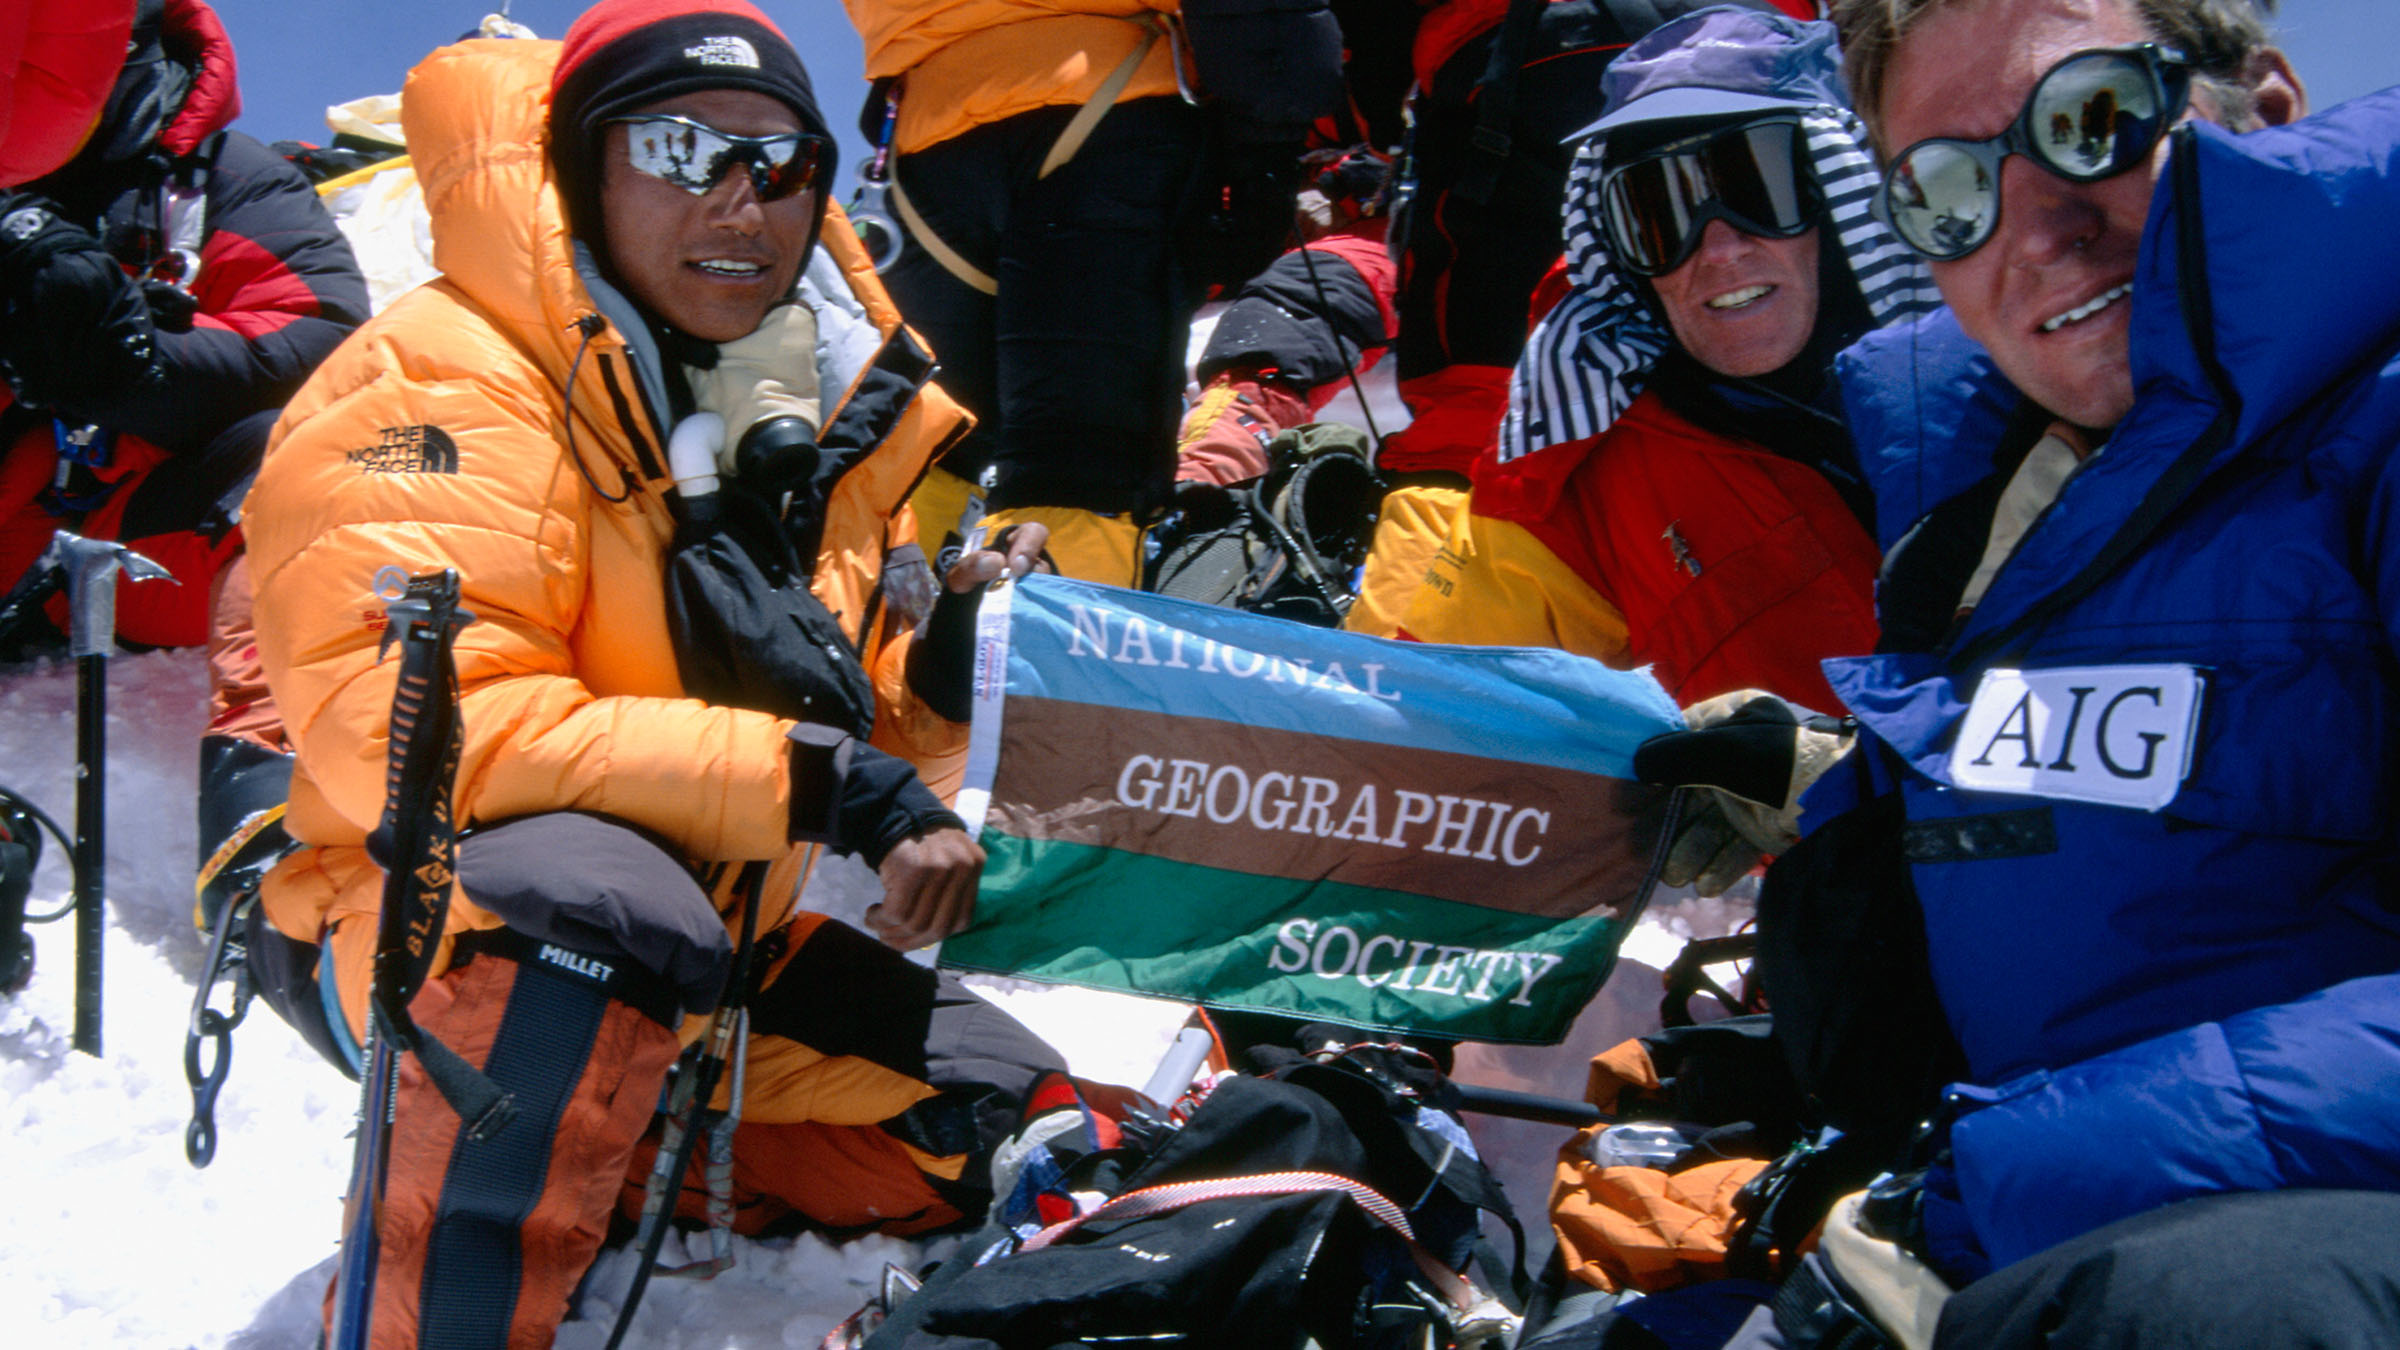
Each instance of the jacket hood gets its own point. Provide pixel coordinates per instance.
(195, 39)
(2271, 259)
(1591, 355)
(473, 115)
(176, 88)
(57, 65)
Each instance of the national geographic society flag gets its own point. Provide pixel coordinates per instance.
(1190, 801)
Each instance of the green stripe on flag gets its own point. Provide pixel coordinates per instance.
(1079, 914)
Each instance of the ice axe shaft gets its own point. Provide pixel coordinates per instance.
(91, 567)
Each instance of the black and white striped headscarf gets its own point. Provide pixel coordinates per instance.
(1591, 355)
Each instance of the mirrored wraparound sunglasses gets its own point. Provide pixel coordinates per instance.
(2094, 115)
(695, 156)
(1750, 177)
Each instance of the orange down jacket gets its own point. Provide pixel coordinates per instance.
(970, 63)
(443, 434)
(1639, 1227)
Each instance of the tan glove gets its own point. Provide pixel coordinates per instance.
(769, 374)
(1748, 756)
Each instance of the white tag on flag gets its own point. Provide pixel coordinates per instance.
(2111, 735)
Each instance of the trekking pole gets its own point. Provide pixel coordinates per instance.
(91, 567)
(416, 842)
(689, 1108)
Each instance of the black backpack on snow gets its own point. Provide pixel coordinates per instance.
(1274, 1217)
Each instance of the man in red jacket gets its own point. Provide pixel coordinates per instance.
(161, 294)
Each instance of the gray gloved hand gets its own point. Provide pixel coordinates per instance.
(1748, 756)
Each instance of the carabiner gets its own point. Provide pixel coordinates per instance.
(226, 962)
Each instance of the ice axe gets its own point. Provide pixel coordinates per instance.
(90, 567)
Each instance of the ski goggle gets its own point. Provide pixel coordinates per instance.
(695, 156)
(2094, 115)
(1749, 177)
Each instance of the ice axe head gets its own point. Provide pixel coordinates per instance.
(91, 567)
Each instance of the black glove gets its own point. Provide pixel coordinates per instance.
(1751, 754)
(75, 331)
(856, 798)
(941, 664)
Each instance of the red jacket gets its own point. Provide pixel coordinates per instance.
(56, 65)
(1716, 561)
(276, 291)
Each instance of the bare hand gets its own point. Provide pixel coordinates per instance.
(1025, 544)
(928, 889)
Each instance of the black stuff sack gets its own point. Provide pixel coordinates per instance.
(1255, 1225)
(748, 632)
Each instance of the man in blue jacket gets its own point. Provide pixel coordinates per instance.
(2138, 696)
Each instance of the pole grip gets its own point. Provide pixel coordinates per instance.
(1491, 1101)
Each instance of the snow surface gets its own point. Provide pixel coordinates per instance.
(108, 1238)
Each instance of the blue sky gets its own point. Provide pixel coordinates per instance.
(299, 55)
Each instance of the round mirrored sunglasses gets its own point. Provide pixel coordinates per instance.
(2092, 116)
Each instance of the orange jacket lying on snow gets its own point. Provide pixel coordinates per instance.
(970, 63)
(442, 435)
(1641, 1228)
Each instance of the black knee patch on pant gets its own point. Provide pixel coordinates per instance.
(2263, 1270)
(473, 1257)
(844, 993)
(602, 888)
(200, 489)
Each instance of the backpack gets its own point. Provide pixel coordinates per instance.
(1287, 543)
(1333, 1200)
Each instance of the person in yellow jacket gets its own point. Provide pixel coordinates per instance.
(1060, 205)
(606, 214)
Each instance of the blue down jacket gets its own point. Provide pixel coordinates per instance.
(2164, 1003)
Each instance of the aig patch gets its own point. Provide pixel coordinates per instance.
(2111, 735)
(419, 449)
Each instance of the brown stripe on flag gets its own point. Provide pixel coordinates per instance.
(1526, 838)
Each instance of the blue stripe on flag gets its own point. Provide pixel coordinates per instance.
(1101, 645)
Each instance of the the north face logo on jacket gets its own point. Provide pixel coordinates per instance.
(418, 449)
(723, 51)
